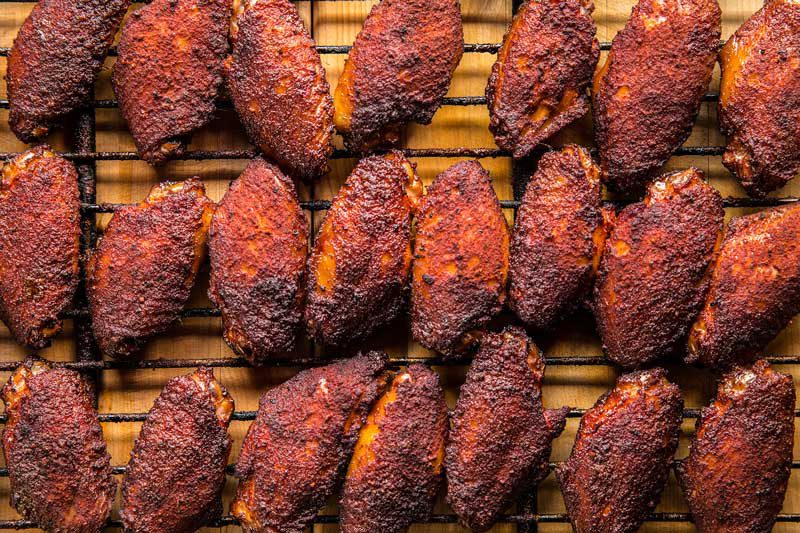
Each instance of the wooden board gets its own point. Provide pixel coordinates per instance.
(337, 23)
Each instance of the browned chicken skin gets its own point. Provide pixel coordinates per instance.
(398, 70)
(740, 459)
(142, 272)
(174, 480)
(622, 454)
(57, 54)
(648, 93)
(359, 269)
(755, 289)
(54, 449)
(258, 245)
(39, 244)
(655, 269)
(278, 86)
(460, 264)
(396, 469)
(759, 100)
(296, 451)
(169, 71)
(538, 84)
(557, 239)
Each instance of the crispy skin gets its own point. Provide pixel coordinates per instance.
(739, 462)
(142, 272)
(759, 106)
(620, 461)
(557, 239)
(56, 456)
(296, 451)
(258, 245)
(755, 289)
(538, 83)
(460, 264)
(647, 95)
(398, 70)
(174, 480)
(278, 86)
(396, 469)
(655, 268)
(359, 269)
(499, 445)
(57, 54)
(169, 71)
(39, 244)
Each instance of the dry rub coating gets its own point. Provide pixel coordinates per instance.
(359, 269)
(278, 87)
(648, 93)
(398, 70)
(258, 246)
(538, 84)
(39, 244)
(142, 272)
(169, 71)
(57, 54)
(296, 451)
(174, 480)
(759, 105)
(460, 264)
(499, 445)
(396, 469)
(59, 470)
(557, 239)
(622, 454)
(655, 268)
(755, 289)
(739, 462)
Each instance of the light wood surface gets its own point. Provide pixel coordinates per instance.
(337, 23)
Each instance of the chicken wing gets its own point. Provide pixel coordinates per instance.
(755, 289)
(648, 93)
(54, 449)
(460, 264)
(499, 445)
(557, 239)
(759, 98)
(655, 269)
(739, 462)
(396, 469)
(296, 451)
(538, 84)
(39, 244)
(142, 272)
(278, 86)
(174, 480)
(359, 269)
(57, 54)
(258, 245)
(398, 70)
(169, 71)
(622, 454)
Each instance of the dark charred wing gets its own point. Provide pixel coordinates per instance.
(739, 462)
(622, 454)
(142, 272)
(396, 469)
(655, 269)
(169, 71)
(57, 54)
(39, 244)
(258, 245)
(538, 84)
(296, 451)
